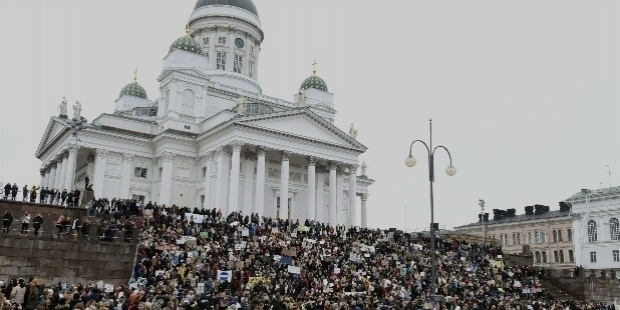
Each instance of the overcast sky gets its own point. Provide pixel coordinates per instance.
(524, 94)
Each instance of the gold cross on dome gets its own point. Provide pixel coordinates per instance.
(314, 68)
(135, 75)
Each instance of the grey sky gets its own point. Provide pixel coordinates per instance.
(524, 94)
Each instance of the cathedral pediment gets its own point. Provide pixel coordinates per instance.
(303, 124)
(54, 128)
(185, 71)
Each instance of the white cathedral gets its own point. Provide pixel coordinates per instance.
(212, 139)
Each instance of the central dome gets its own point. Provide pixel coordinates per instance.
(247, 5)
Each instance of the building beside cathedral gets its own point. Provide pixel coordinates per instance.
(211, 138)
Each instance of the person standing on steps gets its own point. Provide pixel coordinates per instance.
(25, 193)
(36, 223)
(25, 223)
(7, 220)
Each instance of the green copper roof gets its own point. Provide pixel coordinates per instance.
(247, 5)
(134, 89)
(187, 44)
(313, 82)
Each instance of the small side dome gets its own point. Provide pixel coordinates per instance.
(187, 44)
(314, 81)
(134, 89)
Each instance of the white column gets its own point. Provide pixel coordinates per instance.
(99, 174)
(48, 171)
(42, 182)
(165, 186)
(284, 185)
(208, 181)
(52, 179)
(320, 191)
(212, 52)
(230, 57)
(220, 181)
(59, 169)
(70, 169)
(260, 181)
(352, 195)
(341, 218)
(126, 176)
(246, 57)
(235, 161)
(332, 209)
(64, 172)
(248, 182)
(311, 206)
(364, 211)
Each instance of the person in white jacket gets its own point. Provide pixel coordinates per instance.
(25, 223)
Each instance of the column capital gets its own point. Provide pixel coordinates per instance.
(64, 155)
(128, 158)
(332, 165)
(42, 171)
(364, 196)
(71, 149)
(236, 145)
(219, 151)
(340, 171)
(101, 152)
(286, 155)
(311, 160)
(261, 150)
(231, 30)
(52, 165)
(320, 169)
(353, 169)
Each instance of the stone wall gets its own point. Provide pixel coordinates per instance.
(52, 258)
(598, 285)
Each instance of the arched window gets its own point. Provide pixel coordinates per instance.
(569, 232)
(537, 237)
(561, 256)
(555, 235)
(614, 228)
(560, 235)
(167, 101)
(530, 238)
(543, 236)
(592, 234)
(187, 105)
(537, 257)
(571, 256)
(544, 257)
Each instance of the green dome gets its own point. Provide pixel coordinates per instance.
(247, 5)
(187, 44)
(314, 82)
(134, 89)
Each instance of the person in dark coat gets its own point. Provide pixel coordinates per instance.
(70, 199)
(7, 190)
(7, 220)
(14, 191)
(25, 193)
(33, 193)
(36, 223)
(86, 181)
(63, 196)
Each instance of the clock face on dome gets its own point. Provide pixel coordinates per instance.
(239, 43)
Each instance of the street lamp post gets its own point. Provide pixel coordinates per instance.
(450, 170)
(585, 230)
(76, 126)
(484, 233)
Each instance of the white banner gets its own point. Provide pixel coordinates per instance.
(198, 218)
(224, 275)
(294, 269)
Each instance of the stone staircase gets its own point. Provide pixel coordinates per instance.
(558, 290)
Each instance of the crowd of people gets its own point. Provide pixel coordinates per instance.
(203, 259)
(46, 195)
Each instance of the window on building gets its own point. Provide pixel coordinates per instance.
(544, 257)
(202, 201)
(221, 60)
(537, 257)
(519, 238)
(221, 40)
(592, 257)
(543, 236)
(252, 49)
(592, 234)
(139, 172)
(205, 41)
(556, 256)
(537, 237)
(614, 228)
(204, 172)
(161, 172)
(138, 198)
(571, 256)
(569, 234)
(251, 69)
(514, 239)
(238, 63)
(555, 235)
(530, 238)
(616, 255)
(561, 256)
(560, 235)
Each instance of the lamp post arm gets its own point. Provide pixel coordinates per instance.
(425, 145)
(443, 147)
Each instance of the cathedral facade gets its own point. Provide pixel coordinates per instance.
(211, 138)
